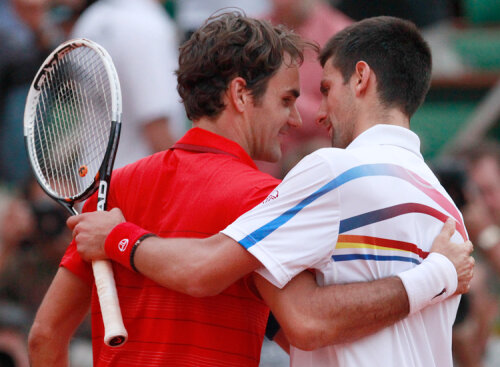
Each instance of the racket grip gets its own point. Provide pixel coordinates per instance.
(115, 333)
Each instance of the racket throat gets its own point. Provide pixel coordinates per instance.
(102, 193)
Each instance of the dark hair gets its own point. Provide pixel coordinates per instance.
(395, 51)
(227, 46)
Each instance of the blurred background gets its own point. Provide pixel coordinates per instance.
(459, 127)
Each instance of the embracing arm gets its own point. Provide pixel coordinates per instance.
(312, 316)
(197, 267)
(62, 310)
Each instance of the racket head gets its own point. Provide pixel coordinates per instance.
(72, 121)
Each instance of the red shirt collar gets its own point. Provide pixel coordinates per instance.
(204, 141)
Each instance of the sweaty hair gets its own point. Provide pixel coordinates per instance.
(232, 45)
(394, 50)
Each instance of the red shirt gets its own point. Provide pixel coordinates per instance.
(195, 189)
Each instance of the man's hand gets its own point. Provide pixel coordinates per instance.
(458, 254)
(90, 231)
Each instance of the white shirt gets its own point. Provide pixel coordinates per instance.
(142, 41)
(369, 211)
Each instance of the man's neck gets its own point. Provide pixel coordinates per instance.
(223, 127)
(391, 116)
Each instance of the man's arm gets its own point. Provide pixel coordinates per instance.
(197, 267)
(313, 317)
(62, 310)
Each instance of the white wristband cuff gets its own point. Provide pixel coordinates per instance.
(434, 280)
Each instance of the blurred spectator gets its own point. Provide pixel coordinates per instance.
(482, 213)
(65, 13)
(142, 41)
(34, 237)
(16, 223)
(13, 321)
(27, 35)
(474, 184)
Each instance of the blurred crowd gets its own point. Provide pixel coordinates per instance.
(142, 37)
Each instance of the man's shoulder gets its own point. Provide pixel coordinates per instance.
(242, 177)
(337, 158)
(139, 169)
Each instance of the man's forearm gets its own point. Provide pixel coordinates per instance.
(361, 309)
(313, 316)
(197, 267)
(62, 310)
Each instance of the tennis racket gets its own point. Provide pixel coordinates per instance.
(72, 126)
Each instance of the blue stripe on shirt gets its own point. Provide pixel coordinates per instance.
(351, 174)
(374, 257)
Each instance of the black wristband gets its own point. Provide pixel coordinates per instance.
(134, 249)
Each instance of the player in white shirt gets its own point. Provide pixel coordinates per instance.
(355, 215)
(369, 207)
(366, 209)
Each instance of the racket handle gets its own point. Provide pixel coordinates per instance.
(115, 333)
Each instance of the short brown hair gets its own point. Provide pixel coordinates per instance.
(396, 52)
(227, 46)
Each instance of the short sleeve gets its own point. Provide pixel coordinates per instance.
(296, 227)
(74, 263)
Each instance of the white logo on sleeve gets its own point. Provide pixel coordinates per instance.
(122, 246)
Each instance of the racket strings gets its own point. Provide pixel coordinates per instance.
(72, 122)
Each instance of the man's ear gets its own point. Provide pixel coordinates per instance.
(363, 76)
(238, 94)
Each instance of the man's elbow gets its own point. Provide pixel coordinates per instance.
(311, 335)
(201, 288)
(303, 340)
(40, 337)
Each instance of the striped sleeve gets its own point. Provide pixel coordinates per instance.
(296, 227)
